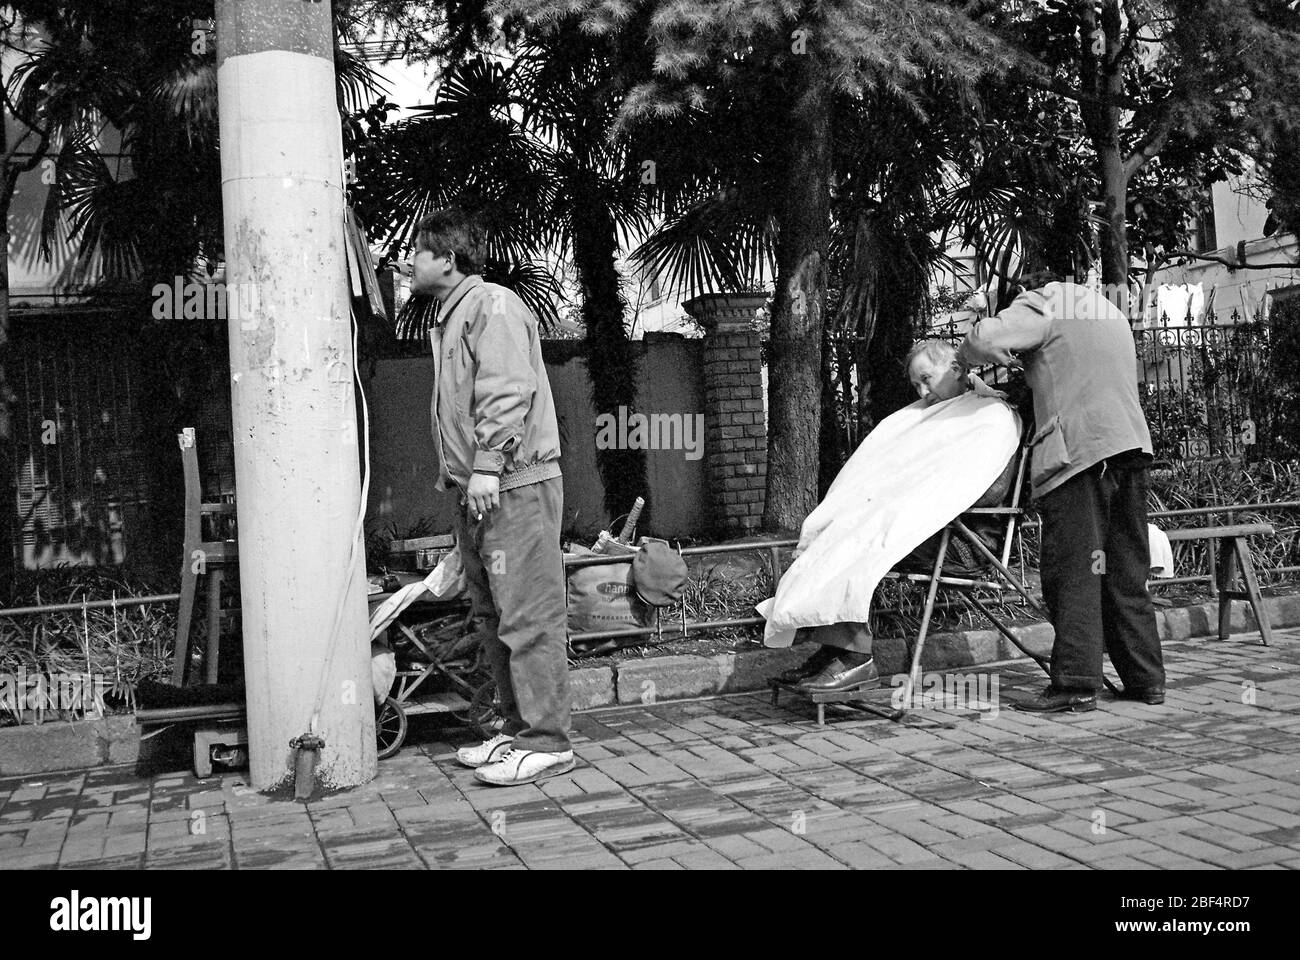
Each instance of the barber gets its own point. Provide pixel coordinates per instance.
(1089, 478)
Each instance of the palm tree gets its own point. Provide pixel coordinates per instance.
(144, 69)
(528, 143)
(908, 172)
(802, 56)
(468, 148)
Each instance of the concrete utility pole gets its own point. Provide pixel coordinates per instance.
(294, 415)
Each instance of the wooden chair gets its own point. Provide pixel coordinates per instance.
(210, 558)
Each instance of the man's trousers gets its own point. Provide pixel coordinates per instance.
(514, 571)
(850, 637)
(1095, 563)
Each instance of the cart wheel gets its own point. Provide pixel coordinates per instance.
(390, 728)
(484, 715)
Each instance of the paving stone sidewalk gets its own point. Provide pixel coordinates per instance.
(1210, 779)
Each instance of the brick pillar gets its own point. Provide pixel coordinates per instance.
(735, 434)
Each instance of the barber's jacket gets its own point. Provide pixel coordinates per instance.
(491, 409)
(1080, 362)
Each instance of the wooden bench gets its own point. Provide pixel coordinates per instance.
(1234, 552)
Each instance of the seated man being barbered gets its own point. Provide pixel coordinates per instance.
(844, 659)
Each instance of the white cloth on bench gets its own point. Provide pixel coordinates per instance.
(1162, 552)
(915, 472)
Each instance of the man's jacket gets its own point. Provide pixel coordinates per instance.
(1080, 363)
(492, 410)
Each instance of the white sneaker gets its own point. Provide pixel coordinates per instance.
(524, 766)
(489, 751)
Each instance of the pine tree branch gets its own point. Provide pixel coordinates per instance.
(1155, 138)
(1238, 263)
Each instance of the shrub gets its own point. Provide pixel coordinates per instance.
(1212, 483)
(122, 646)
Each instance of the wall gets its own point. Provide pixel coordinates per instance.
(403, 454)
(1245, 291)
(83, 468)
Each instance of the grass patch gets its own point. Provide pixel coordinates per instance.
(122, 646)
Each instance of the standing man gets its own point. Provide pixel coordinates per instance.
(1091, 449)
(499, 446)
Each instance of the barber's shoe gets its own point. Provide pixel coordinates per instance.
(1151, 695)
(489, 751)
(845, 672)
(524, 766)
(1056, 700)
(810, 667)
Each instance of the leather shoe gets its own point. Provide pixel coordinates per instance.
(843, 673)
(1057, 700)
(810, 667)
(1151, 695)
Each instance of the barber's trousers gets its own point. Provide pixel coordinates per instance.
(514, 572)
(1095, 563)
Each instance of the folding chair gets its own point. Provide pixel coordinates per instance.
(999, 576)
(1011, 513)
(214, 559)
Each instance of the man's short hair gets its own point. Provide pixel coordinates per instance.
(453, 230)
(1038, 278)
(936, 351)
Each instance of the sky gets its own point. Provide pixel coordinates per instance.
(409, 85)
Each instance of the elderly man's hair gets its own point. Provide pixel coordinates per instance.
(936, 351)
(1038, 278)
(454, 230)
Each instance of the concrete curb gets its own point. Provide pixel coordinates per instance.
(653, 679)
(67, 744)
(64, 745)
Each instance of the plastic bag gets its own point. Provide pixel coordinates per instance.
(602, 597)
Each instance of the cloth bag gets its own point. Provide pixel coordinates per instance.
(658, 574)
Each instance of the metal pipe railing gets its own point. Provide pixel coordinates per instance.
(574, 563)
(676, 631)
(212, 711)
(1234, 508)
(772, 547)
(89, 605)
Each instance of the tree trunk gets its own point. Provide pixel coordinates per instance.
(9, 174)
(893, 337)
(794, 374)
(829, 456)
(1114, 234)
(1103, 78)
(611, 362)
(7, 539)
(301, 560)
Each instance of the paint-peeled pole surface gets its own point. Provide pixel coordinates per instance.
(293, 409)
(253, 26)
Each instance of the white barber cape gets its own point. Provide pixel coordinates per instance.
(915, 472)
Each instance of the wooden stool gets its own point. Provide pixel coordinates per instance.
(214, 559)
(231, 733)
(1234, 550)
